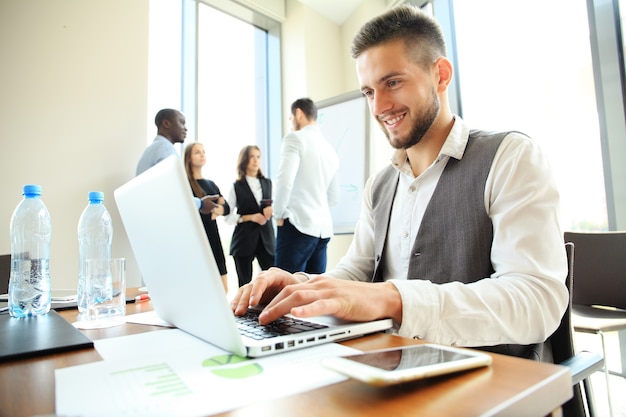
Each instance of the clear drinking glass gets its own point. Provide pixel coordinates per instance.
(105, 280)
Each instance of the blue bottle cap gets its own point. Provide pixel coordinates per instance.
(96, 196)
(31, 190)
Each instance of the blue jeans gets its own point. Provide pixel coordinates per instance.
(297, 252)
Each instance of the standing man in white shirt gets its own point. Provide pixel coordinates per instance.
(306, 188)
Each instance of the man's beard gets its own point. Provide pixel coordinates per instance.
(420, 126)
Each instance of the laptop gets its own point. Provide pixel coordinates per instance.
(174, 256)
(38, 335)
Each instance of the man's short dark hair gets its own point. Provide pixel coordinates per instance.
(165, 114)
(307, 106)
(421, 33)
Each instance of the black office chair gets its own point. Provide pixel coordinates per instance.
(599, 298)
(599, 302)
(581, 364)
(5, 273)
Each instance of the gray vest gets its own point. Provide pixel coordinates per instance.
(454, 240)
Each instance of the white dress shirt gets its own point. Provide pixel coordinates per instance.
(307, 185)
(525, 303)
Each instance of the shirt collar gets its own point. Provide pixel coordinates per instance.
(161, 138)
(312, 126)
(455, 143)
(453, 147)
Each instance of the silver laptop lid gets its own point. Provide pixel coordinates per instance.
(168, 239)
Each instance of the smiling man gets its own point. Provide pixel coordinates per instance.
(459, 238)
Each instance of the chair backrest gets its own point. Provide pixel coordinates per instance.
(600, 266)
(562, 340)
(5, 273)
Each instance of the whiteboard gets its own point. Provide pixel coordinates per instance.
(343, 121)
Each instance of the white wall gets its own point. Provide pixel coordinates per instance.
(367, 10)
(73, 110)
(311, 53)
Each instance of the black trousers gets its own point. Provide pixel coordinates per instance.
(243, 264)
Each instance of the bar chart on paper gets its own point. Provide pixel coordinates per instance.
(157, 380)
(161, 384)
(151, 389)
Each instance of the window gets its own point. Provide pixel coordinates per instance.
(231, 91)
(527, 66)
(222, 69)
(220, 64)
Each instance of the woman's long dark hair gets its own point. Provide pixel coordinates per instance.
(195, 187)
(242, 162)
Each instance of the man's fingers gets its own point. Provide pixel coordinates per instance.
(316, 308)
(299, 301)
(240, 302)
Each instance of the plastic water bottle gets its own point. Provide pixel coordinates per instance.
(29, 285)
(95, 235)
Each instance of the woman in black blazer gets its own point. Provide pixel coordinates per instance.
(195, 159)
(251, 202)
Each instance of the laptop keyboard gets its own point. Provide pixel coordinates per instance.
(249, 326)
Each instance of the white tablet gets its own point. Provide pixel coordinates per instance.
(407, 363)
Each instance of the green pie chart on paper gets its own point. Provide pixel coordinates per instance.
(246, 370)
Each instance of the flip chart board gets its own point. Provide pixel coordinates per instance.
(344, 121)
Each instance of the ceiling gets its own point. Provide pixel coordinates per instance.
(336, 10)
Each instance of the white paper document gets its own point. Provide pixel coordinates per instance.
(149, 318)
(169, 372)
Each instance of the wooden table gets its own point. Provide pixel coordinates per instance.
(509, 387)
